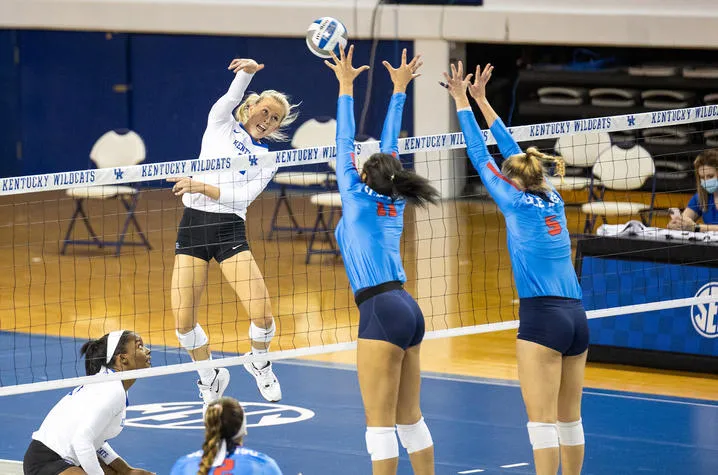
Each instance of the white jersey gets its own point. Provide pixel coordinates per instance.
(78, 427)
(223, 140)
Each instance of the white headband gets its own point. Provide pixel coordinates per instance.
(222, 451)
(113, 339)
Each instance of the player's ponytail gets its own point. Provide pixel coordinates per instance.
(290, 111)
(386, 176)
(95, 353)
(528, 167)
(212, 437)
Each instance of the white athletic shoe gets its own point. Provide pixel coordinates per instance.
(214, 390)
(266, 381)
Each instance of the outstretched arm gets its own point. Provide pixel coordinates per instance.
(501, 189)
(400, 77)
(507, 144)
(347, 174)
(244, 70)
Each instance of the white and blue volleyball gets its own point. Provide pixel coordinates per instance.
(326, 35)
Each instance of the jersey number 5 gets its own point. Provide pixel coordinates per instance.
(224, 469)
(554, 227)
(381, 210)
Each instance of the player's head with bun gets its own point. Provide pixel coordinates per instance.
(384, 174)
(706, 170)
(527, 169)
(225, 427)
(126, 352)
(265, 115)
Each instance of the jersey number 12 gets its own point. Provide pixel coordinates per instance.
(224, 469)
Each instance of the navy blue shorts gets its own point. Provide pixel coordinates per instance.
(555, 322)
(392, 315)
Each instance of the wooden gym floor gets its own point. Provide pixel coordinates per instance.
(455, 257)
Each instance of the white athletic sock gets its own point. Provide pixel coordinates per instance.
(206, 375)
(260, 363)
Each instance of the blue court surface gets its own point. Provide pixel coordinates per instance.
(478, 425)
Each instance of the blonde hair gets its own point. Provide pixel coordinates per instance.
(222, 421)
(290, 112)
(213, 426)
(707, 158)
(528, 167)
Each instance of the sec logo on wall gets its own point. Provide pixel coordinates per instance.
(188, 415)
(705, 316)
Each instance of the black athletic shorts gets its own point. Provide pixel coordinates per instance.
(387, 312)
(211, 235)
(41, 460)
(555, 322)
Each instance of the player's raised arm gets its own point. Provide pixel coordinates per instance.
(502, 190)
(244, 70)
(401, 76)
(347, 174)
(477, 89)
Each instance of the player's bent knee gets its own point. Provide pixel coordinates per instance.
(381, 443)
(543, 435)
(415, 437)
(264, 335)
(193, 339)
(571, 433)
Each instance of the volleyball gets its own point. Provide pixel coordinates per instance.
(325, 35)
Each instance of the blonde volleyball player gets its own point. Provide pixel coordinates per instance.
(222, 451)
(552, 341)
(72, 439)
(213, 227)
(391, 324)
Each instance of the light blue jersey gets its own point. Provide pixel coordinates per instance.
(538, 239)
(241, 462)
(369, 231)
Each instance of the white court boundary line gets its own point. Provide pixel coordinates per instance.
(314, 155)
(315, 350)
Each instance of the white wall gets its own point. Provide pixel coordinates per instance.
(669, 23)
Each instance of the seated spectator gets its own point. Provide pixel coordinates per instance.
(703, 203)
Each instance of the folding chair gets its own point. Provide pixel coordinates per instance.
(113, 149)
(312, 133)
(580, 151)
(623, 170)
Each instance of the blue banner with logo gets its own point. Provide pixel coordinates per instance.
(610, 282)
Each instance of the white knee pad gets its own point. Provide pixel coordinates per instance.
(381, 443)
(414, 437)
(195, 338)
(542, 435)
(263, 335)
(571, 433)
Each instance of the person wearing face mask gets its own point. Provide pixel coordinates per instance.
(703, 204)
(213, 226)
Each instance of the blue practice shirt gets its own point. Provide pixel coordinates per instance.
(242, 461)
(538, 239)
(369, 231)
(711, 214)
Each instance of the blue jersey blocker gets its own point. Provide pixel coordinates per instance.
(242, 461)
(539, 246)
(369, 235)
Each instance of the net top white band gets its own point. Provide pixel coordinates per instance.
(314, 155)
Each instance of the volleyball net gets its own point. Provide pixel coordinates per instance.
(55, 295)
